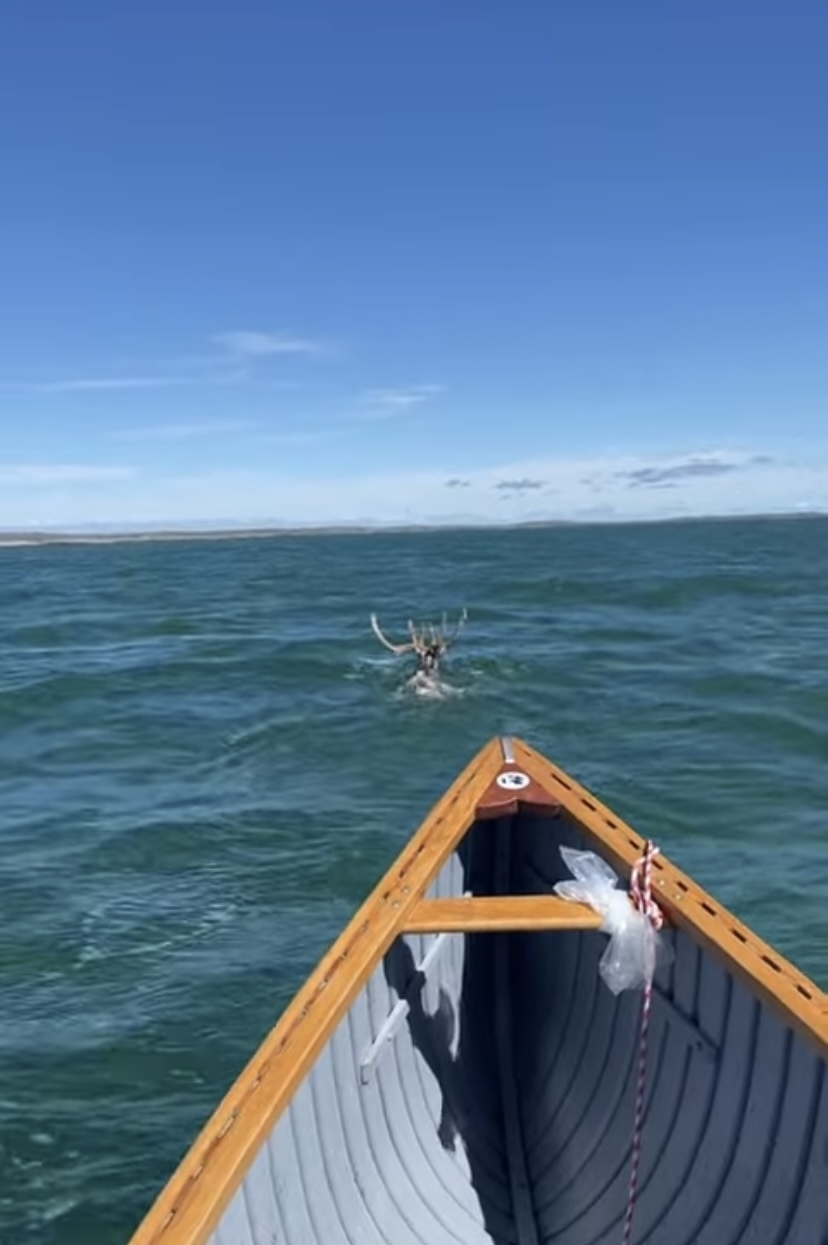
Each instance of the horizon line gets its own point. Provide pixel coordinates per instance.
(30, 536)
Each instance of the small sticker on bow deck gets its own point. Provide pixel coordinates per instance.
(513, 780)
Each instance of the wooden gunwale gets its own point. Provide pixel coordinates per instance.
(498, 914)
(778, 983)
(191, 1204)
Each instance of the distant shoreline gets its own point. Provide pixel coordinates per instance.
(20, 539)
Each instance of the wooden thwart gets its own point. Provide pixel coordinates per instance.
(490, 914)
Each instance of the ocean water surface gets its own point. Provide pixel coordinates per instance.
(207, 760)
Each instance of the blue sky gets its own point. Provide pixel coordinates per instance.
(371, 260)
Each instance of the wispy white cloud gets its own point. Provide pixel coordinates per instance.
(562, 492)
(96, 384)
(574, 488)
(253, 344)
(384, 403)
(183, 431)
(229, 363)
(39, 475)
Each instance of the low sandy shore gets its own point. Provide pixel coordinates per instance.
(12, 539)
(16, 539)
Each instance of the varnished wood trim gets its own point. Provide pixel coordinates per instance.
(500, 801)
(191, 1204)
(498, 913)
(773, 979)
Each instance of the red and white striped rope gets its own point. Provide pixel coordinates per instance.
(641, 886)
(640, 891)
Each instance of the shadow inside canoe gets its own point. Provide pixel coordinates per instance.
(457, 1059)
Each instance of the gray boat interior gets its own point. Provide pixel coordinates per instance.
(481, 1088)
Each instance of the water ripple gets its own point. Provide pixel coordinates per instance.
(207, 763)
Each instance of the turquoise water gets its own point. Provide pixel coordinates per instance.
(207, 760)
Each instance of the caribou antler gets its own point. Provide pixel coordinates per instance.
(395, 648)
(423, 639)
(449, 639)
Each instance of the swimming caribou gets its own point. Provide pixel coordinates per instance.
(429, 643)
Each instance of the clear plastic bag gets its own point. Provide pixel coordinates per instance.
(635, 949)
